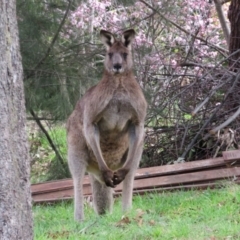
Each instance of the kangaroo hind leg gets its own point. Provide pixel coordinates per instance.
(102, 196)
(77, 165)
(128, 182)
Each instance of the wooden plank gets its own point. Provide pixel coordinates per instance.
(67, 193)
(198, 186)
(230, 156)
(187, 178)
(51, 185)
(58, 195)
(57, 185)
(141, 173)
(180, 168)
(156, 182)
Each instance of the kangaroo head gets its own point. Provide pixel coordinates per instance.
(118, 58)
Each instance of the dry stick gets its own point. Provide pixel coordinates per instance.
(214, 90)
(208, 72)
(193, 64)
(85, 228)
(230, 119)
(219, 49)
(199, 106)
(188, 53)
(47, 136)
(227, 122)
(189, 147)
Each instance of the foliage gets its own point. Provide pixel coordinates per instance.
(208, 214)
(49, 83)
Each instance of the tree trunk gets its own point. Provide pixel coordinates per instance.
(234, 43)
(15, 197)
(222, 20)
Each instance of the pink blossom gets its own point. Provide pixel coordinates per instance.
(157, 42)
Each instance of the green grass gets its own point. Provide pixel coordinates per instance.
(198, 215)
(59, 135)
(46, 164)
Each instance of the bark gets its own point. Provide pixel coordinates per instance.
(15, 197)
(234, 43)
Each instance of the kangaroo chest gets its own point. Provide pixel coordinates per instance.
(117, 113)
(113, 128)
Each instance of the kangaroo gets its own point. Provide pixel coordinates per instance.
(105, 132)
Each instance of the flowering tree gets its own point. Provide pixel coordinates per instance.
(177, 52)
(169, 38)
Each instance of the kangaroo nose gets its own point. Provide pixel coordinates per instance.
(117, 66)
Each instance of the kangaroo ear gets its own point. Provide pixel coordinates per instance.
(127, 37)
(107, 38)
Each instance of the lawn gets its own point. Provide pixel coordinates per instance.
(203, 214)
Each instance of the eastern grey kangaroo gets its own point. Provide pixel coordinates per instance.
(105, 132)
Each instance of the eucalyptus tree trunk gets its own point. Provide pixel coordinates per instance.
(233, 100)
(234, 43)
(15, 197)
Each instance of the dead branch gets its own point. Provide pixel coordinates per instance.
(54, 148)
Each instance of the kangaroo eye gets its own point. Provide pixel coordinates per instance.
(125, 55)
(110, 55)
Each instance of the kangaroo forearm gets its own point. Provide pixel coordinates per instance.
(135, 147)
(92, 139)
(133, 153)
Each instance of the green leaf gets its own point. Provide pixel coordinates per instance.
(187, 116)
